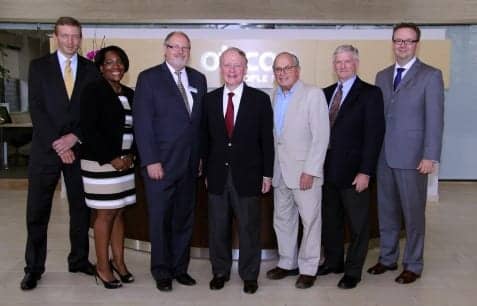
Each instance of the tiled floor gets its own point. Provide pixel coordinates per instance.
(449, 277)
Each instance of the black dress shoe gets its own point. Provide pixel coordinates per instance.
(250, 286)
(30, 281)
(279, 273)
(348, 282)
(88, 269)
(218, 282)
(185, 279)
(305, 281)
(379, 268)
(407, 277)
(325, 270)
(164, 285)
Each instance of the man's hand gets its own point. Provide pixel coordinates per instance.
(266, 184)
(306, 181)
(67, 157)
(361, 182)
(64, 143)
(155, 171)
(118, 164)
(426, 166)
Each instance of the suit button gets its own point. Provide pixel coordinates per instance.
(226, 164)
(229, 144)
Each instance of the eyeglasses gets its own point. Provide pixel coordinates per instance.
(285, 69)
(406, 42)
(178, 48)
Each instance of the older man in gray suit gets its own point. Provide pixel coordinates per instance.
(414, 110)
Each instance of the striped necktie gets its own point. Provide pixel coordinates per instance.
(182, 91)
(335, 105)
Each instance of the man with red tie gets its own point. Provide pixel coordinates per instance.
(238, 164)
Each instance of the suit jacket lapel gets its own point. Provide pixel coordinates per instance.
(244, 104)
(193, 82)
(80, 75)
(219, 105)
(409, 75)
(350, 97)
(56, 81)
(172, 83)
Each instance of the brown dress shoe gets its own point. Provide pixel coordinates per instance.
(279, 273)
(407, 277)
(305, 281)
(379, 268)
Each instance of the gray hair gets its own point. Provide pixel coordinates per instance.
(166, 40)
(294, 58)
(236, 50)
(346, 48)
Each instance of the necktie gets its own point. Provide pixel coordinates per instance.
(229, 115)
(335, 104)
(183, 92)
(68, 78)
(398, 77)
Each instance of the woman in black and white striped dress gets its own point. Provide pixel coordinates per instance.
(107, 162)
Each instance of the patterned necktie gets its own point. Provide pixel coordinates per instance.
(183, 92)
(68, 78)
(335, 105)
(398, 77)
(229, 115)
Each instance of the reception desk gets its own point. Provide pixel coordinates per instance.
(137, 223)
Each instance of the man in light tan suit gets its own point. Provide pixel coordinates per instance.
(301, 130)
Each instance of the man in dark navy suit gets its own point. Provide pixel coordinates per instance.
(167, 112)
(54, 85)
(238, 164)
(356, 134)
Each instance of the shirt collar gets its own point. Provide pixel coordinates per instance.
(407, 66)
(173, 70)
(348, 83)
(237, 91)
(62, 58)
(288, 92)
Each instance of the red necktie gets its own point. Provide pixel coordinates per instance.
(229, 115)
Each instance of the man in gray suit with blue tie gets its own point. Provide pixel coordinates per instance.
(414, 112)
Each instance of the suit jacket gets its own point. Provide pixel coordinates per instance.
(102, 121)
(53, 114)
(357, 134)
(301, 146)
(164, 131)
(414, 115)
(249, 154)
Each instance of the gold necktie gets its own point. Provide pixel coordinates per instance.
(183, 92)
(68, 78)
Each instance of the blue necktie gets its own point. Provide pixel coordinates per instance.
(397, 79)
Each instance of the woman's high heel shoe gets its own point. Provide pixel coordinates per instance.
(114, 284)
(126, 278)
